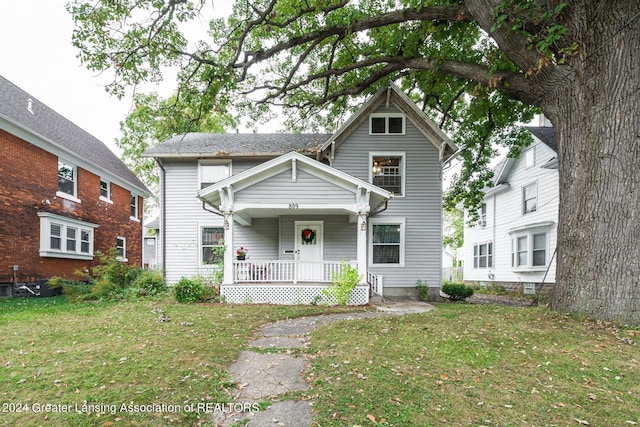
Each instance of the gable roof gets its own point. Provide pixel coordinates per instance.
(545, 134)
(237, 144)
(371, 195)
(393, 94)
(24, 116)
(276, 144)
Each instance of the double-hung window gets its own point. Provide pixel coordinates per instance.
(483, 255)
(105, 190)
(134, 207)
(529, 251)
(387, 170)
(530, 198)
(530, 158)
(387, 239)
(62, 237)
(211, 242)
(482, 222)
(67, 180)
(121, 249)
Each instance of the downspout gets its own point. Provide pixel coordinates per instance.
(213, 211)
(163, 214)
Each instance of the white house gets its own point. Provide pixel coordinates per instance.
(369, 195)
(514, 242)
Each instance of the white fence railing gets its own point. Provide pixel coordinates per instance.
(376, 283)
(285, 271)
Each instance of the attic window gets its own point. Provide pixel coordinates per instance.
(387, 124)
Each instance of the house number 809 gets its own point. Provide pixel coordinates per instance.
(293, 206)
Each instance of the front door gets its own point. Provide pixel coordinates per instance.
(309, 249)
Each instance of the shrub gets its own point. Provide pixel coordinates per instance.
(73, 290)
(457, 291)
(112, 279)
(343, 283)
(150, 282)
(423, 290)
(189, 290)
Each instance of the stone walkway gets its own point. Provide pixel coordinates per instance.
(272, 369)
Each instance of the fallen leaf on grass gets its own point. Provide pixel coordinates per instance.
(371, 418)
(582, 422)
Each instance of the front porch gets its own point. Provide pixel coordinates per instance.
(296, 219)
(289, 282)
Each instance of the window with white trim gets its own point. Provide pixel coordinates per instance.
(483, 255)
(105, 190)
(121, 248)
(134, 206)
(212, 171)
(387, 124)
(529, 250)
(67, 179)
(530, 158)
(482, 221)
(530, 198)
(211, 238)
(62, 237)
(388, 171)
(387, 241)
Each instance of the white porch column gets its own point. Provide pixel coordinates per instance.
(362, 247)
(228, 252)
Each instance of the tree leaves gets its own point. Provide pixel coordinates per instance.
(317, 62)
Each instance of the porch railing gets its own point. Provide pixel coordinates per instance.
(376, 283)
(251, 271)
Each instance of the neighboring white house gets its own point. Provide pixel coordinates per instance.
(369, 194)
(514, 242)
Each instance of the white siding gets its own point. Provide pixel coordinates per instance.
(505, 213)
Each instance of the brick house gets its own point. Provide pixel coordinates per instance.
(63, 196)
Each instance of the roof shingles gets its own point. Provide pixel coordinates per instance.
(45, 123)
(245, 144)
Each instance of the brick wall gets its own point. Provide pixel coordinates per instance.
(28, 179)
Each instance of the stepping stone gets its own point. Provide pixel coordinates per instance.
(264, 376)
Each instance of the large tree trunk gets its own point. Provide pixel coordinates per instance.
(596, 114)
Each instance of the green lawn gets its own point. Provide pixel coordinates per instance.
(459, 364)
(56, 356)
(473, 365)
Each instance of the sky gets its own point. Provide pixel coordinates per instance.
(37, 56)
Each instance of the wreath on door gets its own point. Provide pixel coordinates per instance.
(308, 235)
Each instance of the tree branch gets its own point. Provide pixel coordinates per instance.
(431, 13)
